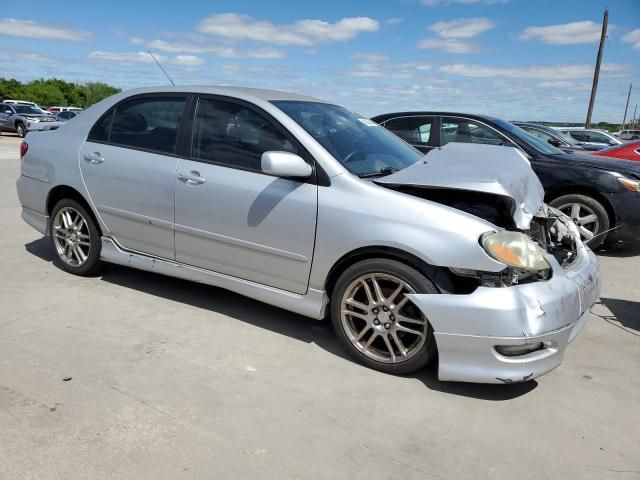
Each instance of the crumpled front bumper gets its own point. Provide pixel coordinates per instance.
(467, 328)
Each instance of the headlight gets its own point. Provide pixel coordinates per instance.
(515, 249)
(633, 185)
(32, 119)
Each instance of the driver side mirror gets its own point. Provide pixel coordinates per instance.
(555, 142)
(285, 164)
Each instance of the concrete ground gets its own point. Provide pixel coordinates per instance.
(171, 379)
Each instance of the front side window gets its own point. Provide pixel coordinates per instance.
(234, 135)
(413, 130)
(149, 123)
(362, 146)
(545, 137)
(581, 136)
(463, 130)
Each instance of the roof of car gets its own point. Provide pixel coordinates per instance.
(386, 116)
(243, 92)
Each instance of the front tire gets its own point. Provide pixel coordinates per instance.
(379, 326)
(21, 131)
(588, 214)
(75, 238)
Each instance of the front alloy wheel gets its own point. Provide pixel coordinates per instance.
(375, 319)
(588, 214)
(20, 130)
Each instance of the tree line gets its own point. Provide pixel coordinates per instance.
(56, 92)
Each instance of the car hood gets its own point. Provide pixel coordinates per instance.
(497, 170)
(596, 161)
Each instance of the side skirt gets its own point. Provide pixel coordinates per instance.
(313, 304)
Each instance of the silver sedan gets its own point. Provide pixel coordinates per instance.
(311, 207)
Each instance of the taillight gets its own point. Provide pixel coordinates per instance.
(24, 146)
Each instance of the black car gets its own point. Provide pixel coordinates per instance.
(601, 196)
(557, 138)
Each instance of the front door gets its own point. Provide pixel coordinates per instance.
(230, 217)
(128, 164)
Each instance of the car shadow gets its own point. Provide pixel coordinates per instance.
(624, 250)
(624, 311)
(274, 319)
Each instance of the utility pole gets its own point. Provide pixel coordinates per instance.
(635, 119)
(624, 119)
(596, 73)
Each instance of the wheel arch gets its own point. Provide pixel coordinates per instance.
(441, 276)
(60, 192)
(580, 190)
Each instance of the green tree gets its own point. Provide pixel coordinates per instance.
(55, 91)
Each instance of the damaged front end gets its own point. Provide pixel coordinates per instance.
(515, 324)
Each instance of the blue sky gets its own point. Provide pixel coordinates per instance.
(517, 59)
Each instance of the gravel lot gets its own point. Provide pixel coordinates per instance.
(171, 379)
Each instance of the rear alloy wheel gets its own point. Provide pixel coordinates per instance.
(375, 319)
(20, 130)
(588, 214)
(75, 238)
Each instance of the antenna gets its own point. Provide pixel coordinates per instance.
(163, 70)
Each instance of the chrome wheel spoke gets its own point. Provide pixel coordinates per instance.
(362, 333)
(357, 304)
(585, 233)
(389, 347)
(416, 321)
(588, 219)
(367, 291)
(402, 328)
(377, 289)
(399, 344)
(398, 306)
(371, 339)
(575, 210)
(353, 313)
(71, 236)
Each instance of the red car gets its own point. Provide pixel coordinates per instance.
(626, 151)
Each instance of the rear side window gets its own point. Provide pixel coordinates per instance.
(100, 131)
(413, 130)
(578, 135)
(148, 123)
(234, 135)
(462, 130)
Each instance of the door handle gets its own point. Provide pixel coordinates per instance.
(95, 158)
(192, 178)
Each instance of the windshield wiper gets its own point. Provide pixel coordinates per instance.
(380, 173)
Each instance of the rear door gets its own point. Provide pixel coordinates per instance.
(229, 216)
(129, 164)
(466, 130)
(420, 131)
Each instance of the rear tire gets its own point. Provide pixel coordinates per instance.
(588, 214)
(21, 131)
(75, 238)
(377, 324)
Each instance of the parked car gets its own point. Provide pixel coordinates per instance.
(65, 116)
(625, 151)
(629, 135)
(601, 196)
(21, 102)
(313, 208)
(557, 138)
(56, 110)
(592, 136)
(21, 119)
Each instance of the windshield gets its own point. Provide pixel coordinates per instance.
(359, 144)
(533, 142)
(26, 109)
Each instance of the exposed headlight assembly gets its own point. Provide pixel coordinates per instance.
(516, 250)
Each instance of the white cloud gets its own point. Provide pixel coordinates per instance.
(303, 32)
(394, 20)
(188, 60)
(433, 3)
(31, 29)
(449, 46)
(373, 65)
(218, 50)
(633, 37)
(565, 34)
(462, 27)
(536, 72)
(125, 57)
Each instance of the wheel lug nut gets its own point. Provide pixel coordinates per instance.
(385, 309)
(392, 318)
(375, 310)
(387, 326)
(376, 322)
